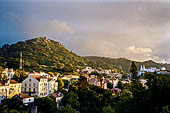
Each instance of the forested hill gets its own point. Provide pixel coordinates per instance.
(40, 53)
(37, 52)
(119, 63)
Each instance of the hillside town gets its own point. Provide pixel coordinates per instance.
(42, 84)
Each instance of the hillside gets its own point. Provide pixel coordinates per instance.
(119, 63)
(38, 52)
(41, 53)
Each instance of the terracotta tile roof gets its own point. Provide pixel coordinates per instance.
(13, 82)
(36, 76)
(57, 95)
(49, 79)
(2, 82)
(34, 73)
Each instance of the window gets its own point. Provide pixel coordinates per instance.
(25, 85)
(29, 84)
(34, 84)
(29, 80)
(34, 89)
(29, 89)
(25, 89)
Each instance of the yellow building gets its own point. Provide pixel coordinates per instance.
(3, 92)
(10, 88)
(14, 88)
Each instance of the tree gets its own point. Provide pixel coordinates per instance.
(133, 70)
(13, 105)
(109, 85)
(51, 73)
(67, 109)
(71, 98)
(107, 109)
(60, 84)
(120, 85)
(20, 75)
(46, 105)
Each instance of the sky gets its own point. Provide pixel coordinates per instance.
(134, 29)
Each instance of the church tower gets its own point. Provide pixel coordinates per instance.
(21, 62)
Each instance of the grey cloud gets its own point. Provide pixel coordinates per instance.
(97, 28)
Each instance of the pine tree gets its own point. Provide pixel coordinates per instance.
(133, 70)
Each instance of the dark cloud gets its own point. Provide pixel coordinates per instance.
(136, 30)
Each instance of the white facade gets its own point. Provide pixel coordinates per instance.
(163, 68)
(88, 70)
(38, 85)
(58, 97)
(9, 73)
(150, 70)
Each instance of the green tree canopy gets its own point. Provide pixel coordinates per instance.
(133, 70)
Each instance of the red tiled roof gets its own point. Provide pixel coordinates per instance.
(36, 76)
(13, 82)
(55, 95)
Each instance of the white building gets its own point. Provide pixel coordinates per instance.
(9, 73)
(88, 70)
(163, 69)
(38, 85)
(58, 97)
(146, 70)
(143, 82)
(114, 82)
(26, 100)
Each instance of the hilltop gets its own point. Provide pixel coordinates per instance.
(39, 53)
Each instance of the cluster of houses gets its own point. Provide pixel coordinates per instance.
(89, 70)
(112, 77)
(42, 84)
(36, 84)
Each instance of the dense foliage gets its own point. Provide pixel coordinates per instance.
(39, 53)
(12, 105)
(46, 105)
(42, 54)
(134, 98)
(133, 70)
(86, 98)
